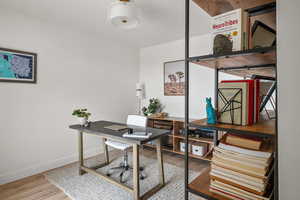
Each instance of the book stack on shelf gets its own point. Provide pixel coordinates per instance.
(239, 100)
(242, 168)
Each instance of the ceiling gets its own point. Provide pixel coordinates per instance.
(161, 20)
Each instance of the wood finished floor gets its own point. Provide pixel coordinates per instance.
(37, 187)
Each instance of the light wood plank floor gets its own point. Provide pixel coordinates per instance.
(38, 188)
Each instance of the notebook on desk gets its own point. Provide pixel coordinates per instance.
(116, 127)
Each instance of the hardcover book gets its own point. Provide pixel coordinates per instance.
(233, 25)
(233, 103)
(237, 175)
(233, 192)
(251, 98)
(245, 142)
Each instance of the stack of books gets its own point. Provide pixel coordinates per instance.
(239, 100)
(242, 168)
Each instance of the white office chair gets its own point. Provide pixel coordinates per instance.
(134, 120)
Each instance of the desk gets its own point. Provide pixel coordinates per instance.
(97, 128)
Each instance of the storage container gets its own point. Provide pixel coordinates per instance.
(199, 149)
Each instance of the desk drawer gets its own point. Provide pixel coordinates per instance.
(150, 123)
(168, 125)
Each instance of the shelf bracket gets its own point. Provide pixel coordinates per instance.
(263, 9)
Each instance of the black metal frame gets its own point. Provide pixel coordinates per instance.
(264, 26)
(268, 96)
(232, 54)
(252, 12)
(263, 77)
(186, 106)
(263, 9)
(272, 65)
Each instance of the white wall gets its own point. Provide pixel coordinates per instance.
(201, 78)
(74, 70)
(289, 98)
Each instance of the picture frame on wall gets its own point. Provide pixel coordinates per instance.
(174, 82)
(18, 66)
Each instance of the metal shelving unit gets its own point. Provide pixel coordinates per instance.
(259, 61)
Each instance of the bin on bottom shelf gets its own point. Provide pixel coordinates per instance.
(182, 147)
(199, 149)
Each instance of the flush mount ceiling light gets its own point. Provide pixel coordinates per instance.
(123, 14)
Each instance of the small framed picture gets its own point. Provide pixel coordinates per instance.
(262, 35)
(174, 82)
(17, 66)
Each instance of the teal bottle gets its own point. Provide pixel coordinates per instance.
(210, 112)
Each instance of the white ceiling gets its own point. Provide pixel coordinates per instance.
(161, 20)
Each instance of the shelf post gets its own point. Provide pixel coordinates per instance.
(186, 120)
(216, 134)
(216, 85)
(276, 177)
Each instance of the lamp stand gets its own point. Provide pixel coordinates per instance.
(139, 94)
(139, 106)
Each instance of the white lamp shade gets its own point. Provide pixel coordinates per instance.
(123, 14)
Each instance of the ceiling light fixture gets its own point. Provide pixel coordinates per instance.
(123, 14)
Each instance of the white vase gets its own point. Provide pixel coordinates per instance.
(82, 120)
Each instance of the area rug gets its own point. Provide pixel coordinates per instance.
(91, 187)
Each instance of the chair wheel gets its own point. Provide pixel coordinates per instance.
(142, 168)
(108, 174)
(122, 181)
(142, 178)
(121, 177)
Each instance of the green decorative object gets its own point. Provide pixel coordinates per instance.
(153, 107)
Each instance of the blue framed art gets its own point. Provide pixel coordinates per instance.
(17, 66)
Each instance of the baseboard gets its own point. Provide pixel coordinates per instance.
(36, 169)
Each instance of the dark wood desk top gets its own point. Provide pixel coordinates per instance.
(97, 128)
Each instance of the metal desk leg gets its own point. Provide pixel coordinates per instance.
(160, 162)
(136, 171)
(80, 151)
(105, 149)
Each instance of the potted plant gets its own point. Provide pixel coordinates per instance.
(154, 107)
(82, 115)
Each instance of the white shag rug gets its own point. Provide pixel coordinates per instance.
(91, 187)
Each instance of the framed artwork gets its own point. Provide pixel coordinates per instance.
(17, 66)
(262, 35)
(174, 82)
